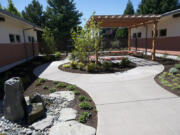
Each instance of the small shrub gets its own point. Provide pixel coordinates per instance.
(73, 64)
(91, 67)
(177, 66)
(82, 98)
(66, 66)
(57, 55)
(76, 92)
(80, 65)
(41, 80)
(173, 70)
(85, 106)
(84, 117)
(107, 65)
(37, 83)
(56, 82)
(52, 90)
(125, 62)
(61, 85)
(45, 87)
(71, 87)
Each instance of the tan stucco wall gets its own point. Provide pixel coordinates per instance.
(12, 53)
(171, 24)
(12, 26)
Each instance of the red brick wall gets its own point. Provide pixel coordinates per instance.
(10, 53)
(168, 43)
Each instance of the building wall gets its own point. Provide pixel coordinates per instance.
(11, 26)
(13, 53)
(171, 42)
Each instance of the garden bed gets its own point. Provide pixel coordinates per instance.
(32, 85)
(99, 70)
(46, 87)
(167, 80)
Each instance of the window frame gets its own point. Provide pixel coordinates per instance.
(17, 39)
(134, 35)
(29, 39)
(13, 38)
(139, 33)
(164, 34)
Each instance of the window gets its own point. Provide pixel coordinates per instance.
(156, 33)
(163, 32)
(33, 39)
(29, 38)
(139, 35)
(11, 38)
(176, 15)
(134, 35)
(18, 39)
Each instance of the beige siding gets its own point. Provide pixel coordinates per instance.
(171, 24)
(12, 26)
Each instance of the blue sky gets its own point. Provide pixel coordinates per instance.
(102, 7)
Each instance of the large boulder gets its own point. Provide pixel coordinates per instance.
(35, 112)
(14, 105)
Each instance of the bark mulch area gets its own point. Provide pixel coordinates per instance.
(47, 87)
(113, 69)
(168, 81)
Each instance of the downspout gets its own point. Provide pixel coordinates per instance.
(146, 38)
(25, 48)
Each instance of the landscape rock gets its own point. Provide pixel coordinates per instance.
(43, 124)
(67, 114)
(14, 102)
(35, 112)
(66, 95)
(36, 98)
(71, 128)
(27, 99)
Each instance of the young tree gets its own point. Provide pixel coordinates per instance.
(48, 45)
(129, 8)
(157, 6)
(34, 13)
(87, 40)
(1, 6)
(62, 17)
(12, 9)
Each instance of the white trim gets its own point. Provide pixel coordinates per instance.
(7, 67)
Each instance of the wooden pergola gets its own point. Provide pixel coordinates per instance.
(130, 21)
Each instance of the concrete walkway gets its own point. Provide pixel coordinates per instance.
(129, 103)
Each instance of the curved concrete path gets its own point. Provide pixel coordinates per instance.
(129, 103)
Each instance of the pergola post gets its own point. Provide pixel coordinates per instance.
(129, 39)
(154, 42)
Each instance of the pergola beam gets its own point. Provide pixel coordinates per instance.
(131, 21)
